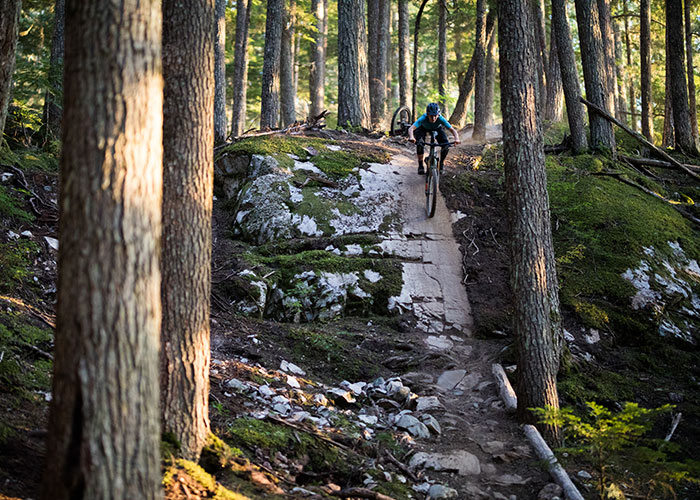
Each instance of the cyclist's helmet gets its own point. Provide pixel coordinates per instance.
(432, 109)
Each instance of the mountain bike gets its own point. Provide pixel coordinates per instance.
(432, 173)
(401, 121)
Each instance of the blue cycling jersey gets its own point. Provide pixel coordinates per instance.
(424, 122)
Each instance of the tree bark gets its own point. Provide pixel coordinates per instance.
(537, 7)
(619, 68)
(220, 126)
(240, 68)
(668, 139)
(270, 97)
(691, 73)
(628, 71)
(533, 274)
(318, 63)
(404, 65)
(353, 91)
(466, 85)
(376, 59)
(389, 63)
(491, 48)
(52, 103)
(569, 76)
(608, 44)
(9, 26)
(479, 131)
(645, 73)
(188, 173)
(685, 140)
(104, 431)
(594, 72)
(288, 113)
(442, 55)
(416, 31)
(554, 106)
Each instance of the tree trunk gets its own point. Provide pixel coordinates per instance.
(318, 63)
(619, 68)
(569, 76)
(188, 166)
(645, 73)
(533, 275)
(442, 55)
(240, 68)
(668, 139)
(608, 44)
(353, 91)
(389, 63)
(52, 103)
(628, 71)
(479, 131)
(491, 48)
(376, 60)
(537, 7)
(270, 98)
(691, 73)
(416, 31)
(594, 72)
(220, 127)
(104, 431)
(288, 113)
(554, 107)
(9, 25)
(679, 89)
(404, 65)
(466, 85)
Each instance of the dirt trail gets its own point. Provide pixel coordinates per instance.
(481, 447)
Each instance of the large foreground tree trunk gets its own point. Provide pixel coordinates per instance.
(679, 90)
(104, 431)
(479, 131)
(9, 25)
(52, 103)
(645, 73)
(569, 76)
(220, 72)
(317, 75)
(240, 68)
(533, 275)
(595, 74)
(270, 97)
(188, 173)
(353, 92)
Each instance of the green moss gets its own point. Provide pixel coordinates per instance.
(10, 207)
(597, 384)
(336, 164)
(208, 482)
(169, 446)
(15, 259)
(21, 372)
(33, 159)
(601, 227)
(216, 454)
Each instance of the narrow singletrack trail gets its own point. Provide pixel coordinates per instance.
(481, 452)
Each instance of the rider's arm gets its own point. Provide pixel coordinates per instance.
(410, 133)
(455, 134)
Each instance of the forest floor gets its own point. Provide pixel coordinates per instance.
(443, 363)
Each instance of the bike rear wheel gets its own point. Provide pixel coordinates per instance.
(401, 121)
(431, 191)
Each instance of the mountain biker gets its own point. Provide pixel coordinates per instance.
(429, 122)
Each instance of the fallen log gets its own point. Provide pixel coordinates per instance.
(555, 470)
(676, 164)
(510, 400)
(650, 162)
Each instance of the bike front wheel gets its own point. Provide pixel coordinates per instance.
(431, 191)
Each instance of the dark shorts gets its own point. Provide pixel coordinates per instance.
(422, 134)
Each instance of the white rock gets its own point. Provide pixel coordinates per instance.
(52, 242)
(441, 343)
(293, 382)
(450, 379)
(438, 491)
(584, 475)
(266, 391)
(6, 176)
(368, 419)
(353, 249)
(12, 235)
(372, 276)
(421, 488)
(27, 234)
(236, 385)
(427, 403)
(431, 423)
(286, 366)
(414, 426)
(333, 147)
